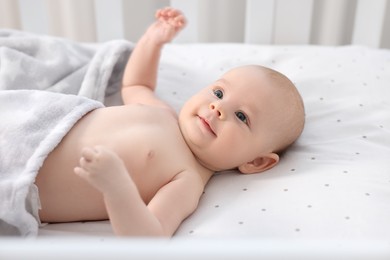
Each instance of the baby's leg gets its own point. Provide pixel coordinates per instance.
(102, 168)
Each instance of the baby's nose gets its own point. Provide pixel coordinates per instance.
(217, 109)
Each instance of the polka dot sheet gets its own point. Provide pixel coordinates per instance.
(334, 183)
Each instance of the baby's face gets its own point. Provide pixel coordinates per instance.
(228, 123)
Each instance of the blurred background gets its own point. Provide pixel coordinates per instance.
(325, 22)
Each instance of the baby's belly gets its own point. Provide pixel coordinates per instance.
(66, 197)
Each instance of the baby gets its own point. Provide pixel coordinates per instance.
(145, 168)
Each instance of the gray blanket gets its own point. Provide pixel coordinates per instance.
(46, 85)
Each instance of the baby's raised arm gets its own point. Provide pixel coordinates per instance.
(140, 77)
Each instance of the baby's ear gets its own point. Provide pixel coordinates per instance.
(260, 164)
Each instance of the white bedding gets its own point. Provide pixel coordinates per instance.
(334, 183)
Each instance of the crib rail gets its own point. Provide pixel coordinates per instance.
(329, 22)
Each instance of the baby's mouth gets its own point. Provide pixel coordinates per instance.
(207, 125)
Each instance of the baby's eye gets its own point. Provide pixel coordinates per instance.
(218, 93)
(242, 117)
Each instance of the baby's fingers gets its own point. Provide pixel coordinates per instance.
(89, 153)
(89, 177)
(180, 20)
(81, 172)
(163, 12)
(168, 12)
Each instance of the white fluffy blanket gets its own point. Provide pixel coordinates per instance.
(46, 85)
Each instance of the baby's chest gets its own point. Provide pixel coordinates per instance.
(161, 153)
(148, 149)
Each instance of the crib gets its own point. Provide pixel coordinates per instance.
(329, 196)
(251, 21)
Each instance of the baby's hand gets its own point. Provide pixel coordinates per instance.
(169, 22)
(102, 168)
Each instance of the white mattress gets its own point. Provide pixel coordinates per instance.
(333, 184)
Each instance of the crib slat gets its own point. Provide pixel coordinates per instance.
(369, 22)
(56, 18)
(109, 20)
(212, 21)
(266, 21)
(80, 23)
(293, 21)
(72, 19)
(33, 16)
(259, 21)
(332, 22)
(9, 14)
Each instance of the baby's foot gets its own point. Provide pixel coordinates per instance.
(101, 167)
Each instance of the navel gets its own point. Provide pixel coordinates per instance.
(150, 155)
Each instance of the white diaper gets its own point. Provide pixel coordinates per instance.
(16, 208)
(33, 203)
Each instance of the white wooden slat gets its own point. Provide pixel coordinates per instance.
(33, 16)
(259, 21)
(55, 17)
(385, 42)
(9, 14)
(80, 20)
(369, 22)
(109, 20)
(212, 21)
(266, 21)
(72, 19)
(332, 22)
(293, 21)
(224, 20)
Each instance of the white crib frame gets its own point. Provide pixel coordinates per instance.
(216, 249)
(330, 22)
